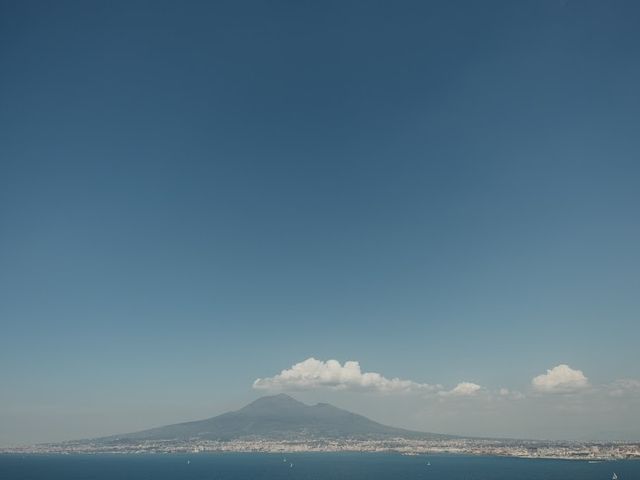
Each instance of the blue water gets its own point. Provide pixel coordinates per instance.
(311, 466)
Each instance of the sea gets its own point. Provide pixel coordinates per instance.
(309, 466)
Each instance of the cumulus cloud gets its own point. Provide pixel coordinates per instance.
(463, 389)
(560, 379)
(312, 373)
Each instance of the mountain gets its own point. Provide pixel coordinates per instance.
(276, 417)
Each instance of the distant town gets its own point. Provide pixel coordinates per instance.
(586, 451)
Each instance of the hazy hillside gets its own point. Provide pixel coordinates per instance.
(278, 417)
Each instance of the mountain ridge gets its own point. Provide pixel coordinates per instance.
(276, 417)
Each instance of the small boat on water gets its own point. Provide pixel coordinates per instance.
(614, 477)
(291, 466)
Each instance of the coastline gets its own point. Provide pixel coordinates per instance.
(526, 449)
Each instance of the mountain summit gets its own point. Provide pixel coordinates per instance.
(277, 417)
(273, 404)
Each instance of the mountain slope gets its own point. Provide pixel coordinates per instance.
(276, 417)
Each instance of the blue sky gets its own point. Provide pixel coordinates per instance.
(194, 196)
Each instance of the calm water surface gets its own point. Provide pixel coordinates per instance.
(311, 466)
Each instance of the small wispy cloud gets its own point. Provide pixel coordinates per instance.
(463, 389)
(560, 379)
(623, 387)
(510, 394)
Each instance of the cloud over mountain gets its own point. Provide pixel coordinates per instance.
(312, 373)
(560, 379)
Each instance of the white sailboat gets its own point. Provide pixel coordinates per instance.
(614, 477)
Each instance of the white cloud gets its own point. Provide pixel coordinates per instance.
(560, 379)
(463, 389)
(313, 373)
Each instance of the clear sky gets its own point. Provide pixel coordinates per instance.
(195, 195)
